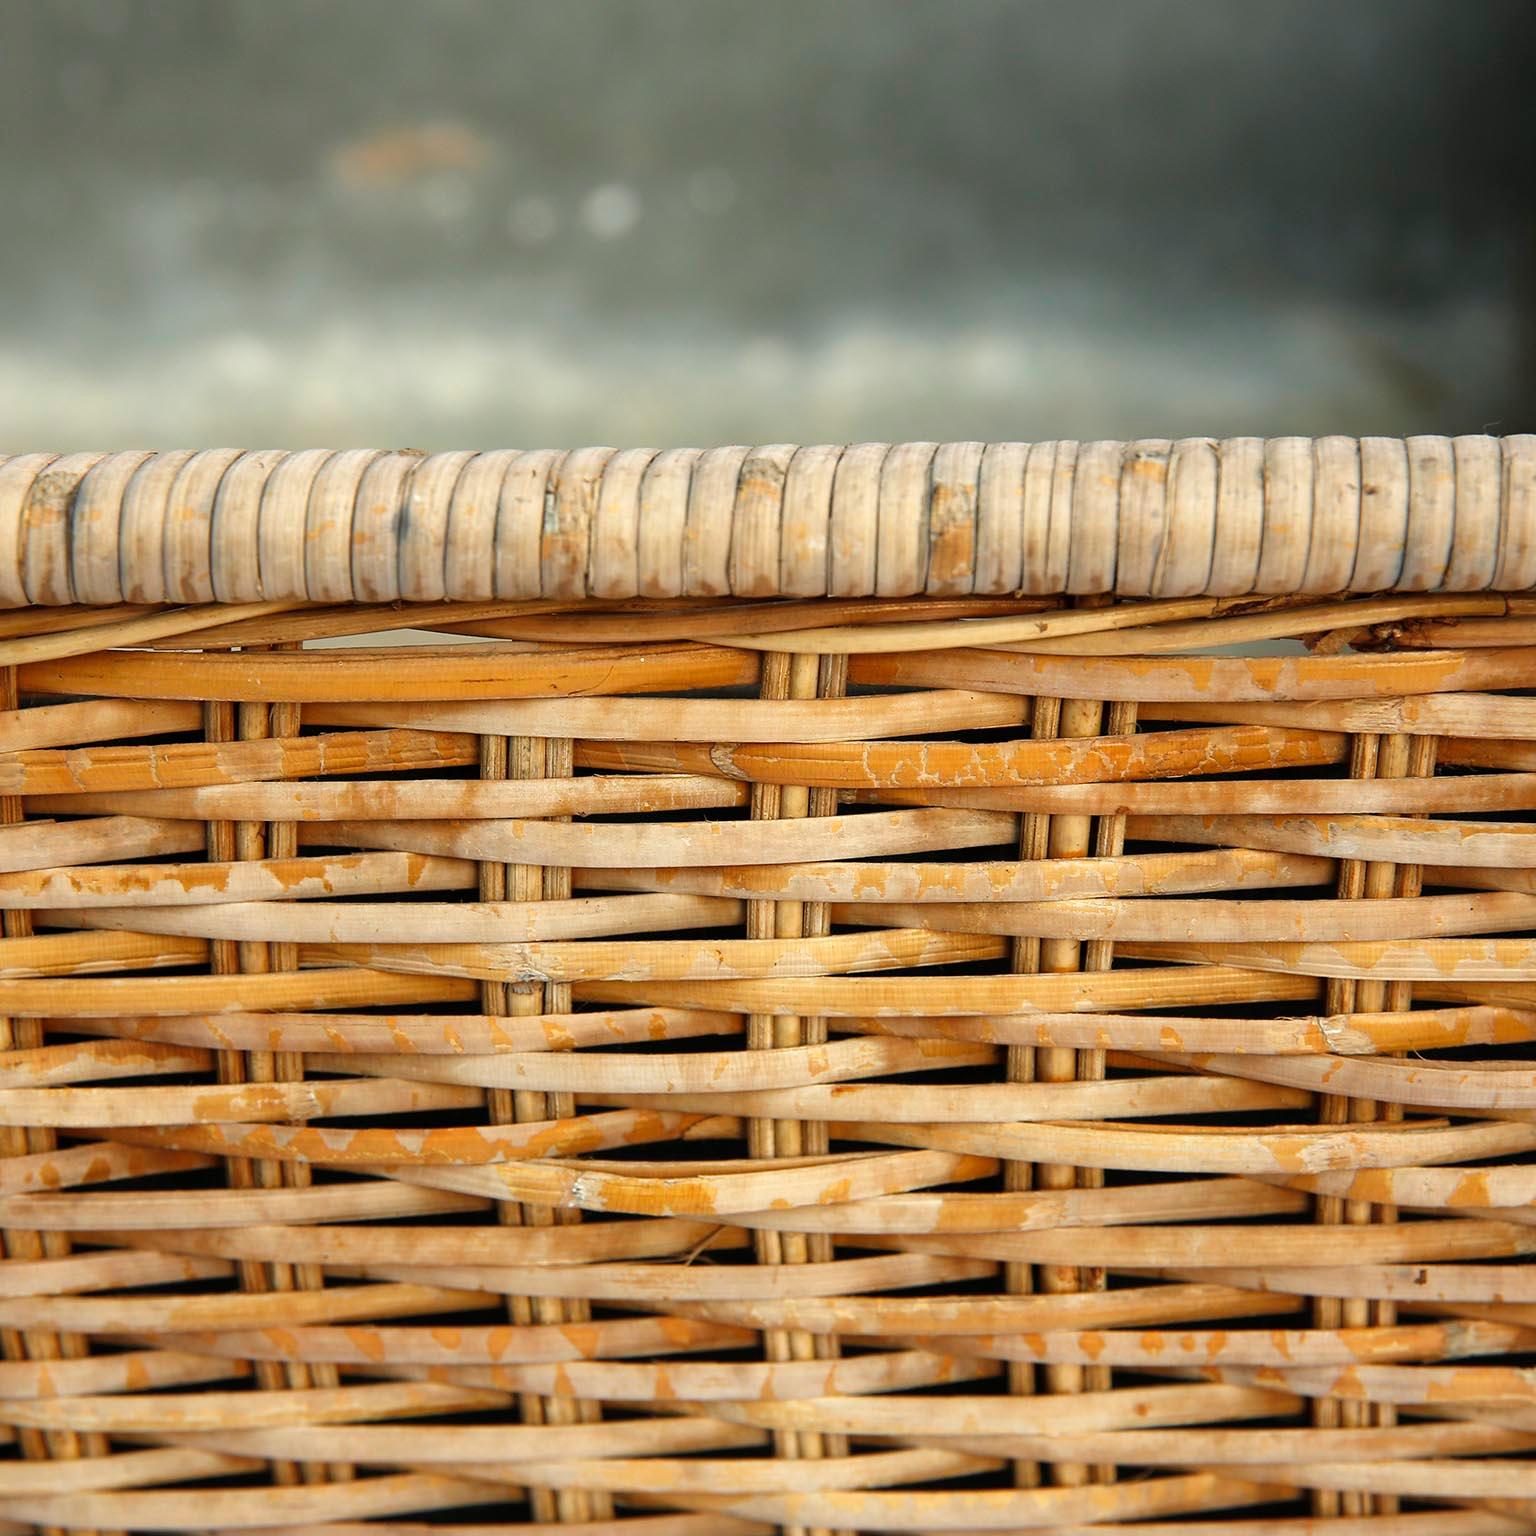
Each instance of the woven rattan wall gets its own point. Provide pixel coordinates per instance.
(889, 988)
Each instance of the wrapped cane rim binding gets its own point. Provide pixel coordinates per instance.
(1149, 518)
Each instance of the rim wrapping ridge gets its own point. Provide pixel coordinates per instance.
(1148, 518)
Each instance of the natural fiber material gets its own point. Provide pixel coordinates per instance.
(654, 1065)
(1152, 518)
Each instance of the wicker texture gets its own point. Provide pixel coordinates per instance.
(965, 1062)
(1151, 518)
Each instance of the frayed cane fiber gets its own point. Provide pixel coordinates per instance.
(922, 987)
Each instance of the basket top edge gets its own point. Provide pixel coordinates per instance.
(1147, 518)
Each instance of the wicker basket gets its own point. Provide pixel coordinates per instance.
(890, 988)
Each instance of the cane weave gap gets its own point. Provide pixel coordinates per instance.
(918, 988)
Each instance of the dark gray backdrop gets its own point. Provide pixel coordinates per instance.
(449, 222)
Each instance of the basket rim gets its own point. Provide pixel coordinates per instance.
(1149, 518)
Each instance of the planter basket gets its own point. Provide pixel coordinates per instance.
(890, 988)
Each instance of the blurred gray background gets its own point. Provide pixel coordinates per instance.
(438, 223)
